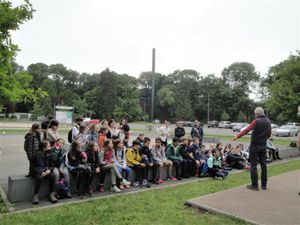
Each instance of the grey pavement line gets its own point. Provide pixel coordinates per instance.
(194, 180)
(217, 211)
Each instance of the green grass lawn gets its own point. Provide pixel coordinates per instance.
(165, 206)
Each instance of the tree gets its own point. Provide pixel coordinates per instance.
(11, 18)
(225, 116)
(284, 89)
(103, 98)
(240, 75)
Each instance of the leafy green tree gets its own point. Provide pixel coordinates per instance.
(241, 76)
(284, 89)
(225, 116)
(103, 98)
(80, 107)
(10, 20)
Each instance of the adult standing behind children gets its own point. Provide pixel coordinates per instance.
(45, 125)
(126, 130)
(164, 132)
(179, 130)
(261, 127)
(197, 131)
(75, 128)
(52, 132)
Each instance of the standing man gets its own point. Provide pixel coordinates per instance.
(261, 127)
(164, 133)
(197, 131)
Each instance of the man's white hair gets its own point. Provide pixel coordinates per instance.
(259, 111)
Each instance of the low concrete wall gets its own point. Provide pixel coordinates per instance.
(21, 188)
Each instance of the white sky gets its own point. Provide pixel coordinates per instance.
(90, 35)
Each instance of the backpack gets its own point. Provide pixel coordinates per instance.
(70, 136)
(62, 189)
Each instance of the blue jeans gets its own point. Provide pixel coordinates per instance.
(124, 172)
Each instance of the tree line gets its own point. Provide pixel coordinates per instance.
(181, 95)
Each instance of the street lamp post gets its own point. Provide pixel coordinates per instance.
(207, 107)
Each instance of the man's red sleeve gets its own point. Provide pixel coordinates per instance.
(249, 128)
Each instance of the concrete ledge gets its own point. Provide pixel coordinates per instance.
(21, 188)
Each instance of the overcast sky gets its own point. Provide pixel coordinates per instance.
(90, 35)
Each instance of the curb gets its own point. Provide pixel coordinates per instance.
(193, 204)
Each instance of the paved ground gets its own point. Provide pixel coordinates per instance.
(280, 204)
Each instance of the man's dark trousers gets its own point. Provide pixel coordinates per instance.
(258, 153)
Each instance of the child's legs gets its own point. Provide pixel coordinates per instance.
(169, 164)
(176, 164)
(126, 172)
(116, 171)
(65, 173)
(37, 184)
(56, 174)
(160, 166)
(52, 178)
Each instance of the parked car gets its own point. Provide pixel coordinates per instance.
(239, 126)
(224, 124)
(274, 127)
(232, 125)
(213, 123)
(287, 130)
(249, 133)
(294, 124)
(188, 123)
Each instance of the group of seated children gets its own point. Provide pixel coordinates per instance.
(93, 155)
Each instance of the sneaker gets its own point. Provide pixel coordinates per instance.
(219, 178)
(125, 182)
(160, 181)
(35, 199)
(52, 198)
(115, 189)
(146, 184)
(250, 187)
(136, 184)
(101, 188)
(264, 188)
(79, 195)
(178, 178)
(121, 187)
(173, 178)
(89, 193)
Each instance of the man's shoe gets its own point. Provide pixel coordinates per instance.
(35, 199)
(250, 187)
(264, 188)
